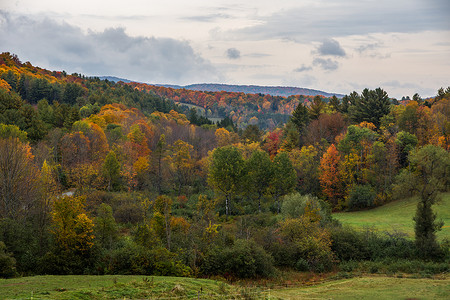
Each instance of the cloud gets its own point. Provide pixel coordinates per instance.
(257, 55)
(371, 50)
(331, 47)
(233, 53)
(326, 64)
(345, 18)
(303, 68)
(59, 46)
(208, 18)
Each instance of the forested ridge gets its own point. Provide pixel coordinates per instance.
(98, 177)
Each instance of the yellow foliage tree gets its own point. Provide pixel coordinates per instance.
(72, 228)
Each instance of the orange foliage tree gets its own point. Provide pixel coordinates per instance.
(330, 176)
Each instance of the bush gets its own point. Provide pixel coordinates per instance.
(245, 259)
(7, 263)
(132, 259)
(361, 196)
(349, 244)
(301, 239)
(390, 266)
(296, 205)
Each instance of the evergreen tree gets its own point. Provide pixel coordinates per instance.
(300, 118)
(370, 107)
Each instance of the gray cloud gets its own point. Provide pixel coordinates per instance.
(347, 17)
(257, 55)
(112, 52)
(326, 64)
(368, 47)
(371, 50)
(303, 68)
(331, 47)
(233, 53)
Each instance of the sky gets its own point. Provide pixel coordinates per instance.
(339, 46)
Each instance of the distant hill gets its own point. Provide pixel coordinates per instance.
(114, 79)
(284, 91)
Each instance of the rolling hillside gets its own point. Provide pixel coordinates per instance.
(396, 216)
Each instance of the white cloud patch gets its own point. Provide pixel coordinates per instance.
(59, 46)
(331, 47)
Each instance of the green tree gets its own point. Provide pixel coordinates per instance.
(405, 142)
(301, 118)
(316, 108)
(428, 175)
(291, 138)
(284, 177)
(162, 218)
(370, 107)
(111, 170)
(259, 175)
(251, 134)
(226, 171)
(335, 104)
(7, 263)
(159, 155)
(105, 226)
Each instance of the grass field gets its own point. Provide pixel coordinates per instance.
(111, 287)
(141, 287)
(371, 288)
(396, 216)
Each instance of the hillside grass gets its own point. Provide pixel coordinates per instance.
(368, 287)
(397, 216)
(156, 287)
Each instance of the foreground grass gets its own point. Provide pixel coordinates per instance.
(371, 288)
(141, 287)
(112, 287)
(397, 216)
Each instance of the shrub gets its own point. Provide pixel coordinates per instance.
(137, 260)
(245, 259)
(349, 244)
(7, 263)
(361, 196)
(303, 239)
(296, 205)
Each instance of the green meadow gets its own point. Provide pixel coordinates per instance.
(397, 216)
(156, 287)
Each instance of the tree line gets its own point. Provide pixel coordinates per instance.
(156, 194)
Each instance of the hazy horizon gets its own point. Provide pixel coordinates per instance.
(335, 46)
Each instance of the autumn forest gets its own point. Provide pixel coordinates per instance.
(98, 177)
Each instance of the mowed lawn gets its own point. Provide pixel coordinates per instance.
(397, 216)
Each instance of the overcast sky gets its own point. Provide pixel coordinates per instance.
(337, 46)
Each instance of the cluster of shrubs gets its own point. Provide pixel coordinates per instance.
(303, 237)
